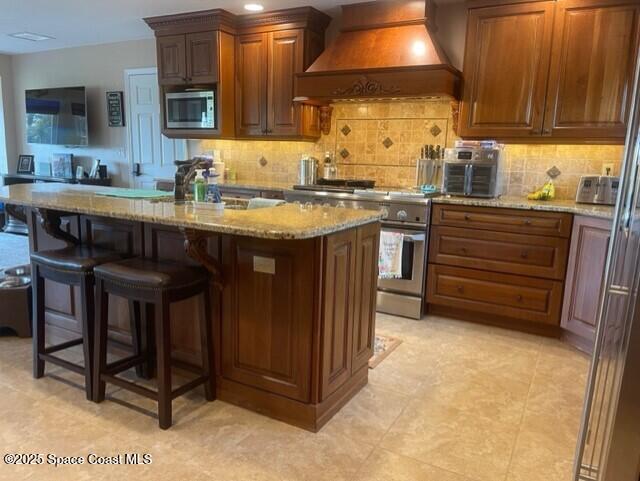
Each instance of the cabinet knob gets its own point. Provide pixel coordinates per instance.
(547, 131)
(467, 217)
(524, 254)
(519, 298)
(527, 222)
(460, 289)
(463, 250)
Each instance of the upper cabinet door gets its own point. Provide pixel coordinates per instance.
(202, 57)
(172, 60)
(285, 60)
(592, 65)
(505, 70)
(251, 90)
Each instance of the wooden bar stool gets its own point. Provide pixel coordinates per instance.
(72, 266)
(157, 285)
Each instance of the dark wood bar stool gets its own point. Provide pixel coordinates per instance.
(157, 285)
(72, 266)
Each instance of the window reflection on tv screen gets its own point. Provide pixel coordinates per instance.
(57, 116)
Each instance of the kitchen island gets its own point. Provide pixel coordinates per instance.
(295, 289)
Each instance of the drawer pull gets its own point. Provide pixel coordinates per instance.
(527, 222)
(524, 255)
(463, 250)
(467, 217)
(519, 298)
(461, 289)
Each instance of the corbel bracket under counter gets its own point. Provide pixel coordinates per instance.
(195, 245)
(51, 222)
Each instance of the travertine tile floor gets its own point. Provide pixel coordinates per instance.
(455, 402)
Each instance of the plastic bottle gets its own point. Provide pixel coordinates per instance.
(199, 187)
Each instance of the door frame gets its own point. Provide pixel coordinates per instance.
(128, 73)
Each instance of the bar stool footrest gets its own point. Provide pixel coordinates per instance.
(185, 388)
(130, 386)
(124, 364)
(62, 363)
(63, 346)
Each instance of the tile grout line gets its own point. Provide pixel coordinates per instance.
(524, 410)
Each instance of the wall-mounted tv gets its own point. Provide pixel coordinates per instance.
(57, 116)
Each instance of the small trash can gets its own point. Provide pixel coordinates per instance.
(15, 300)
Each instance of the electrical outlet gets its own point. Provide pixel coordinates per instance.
(607, 168)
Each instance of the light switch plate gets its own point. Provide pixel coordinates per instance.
(265, 265)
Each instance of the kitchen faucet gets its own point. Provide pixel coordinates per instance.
(185, 174)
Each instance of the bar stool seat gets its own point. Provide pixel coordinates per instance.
(71, 266)
(146, 273)
(152, 286)
(75, 259)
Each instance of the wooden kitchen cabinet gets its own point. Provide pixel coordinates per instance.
(188, 59)
(547, 70)
(585, 277)
(499, 266)
(266, 68)
(592, 66)
(505, 70)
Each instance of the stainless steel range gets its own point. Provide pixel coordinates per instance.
(407, 213)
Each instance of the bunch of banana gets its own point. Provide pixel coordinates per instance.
(547, 192)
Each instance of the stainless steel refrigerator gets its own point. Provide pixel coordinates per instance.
(609, 442)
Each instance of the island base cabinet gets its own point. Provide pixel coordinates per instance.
(298, 322)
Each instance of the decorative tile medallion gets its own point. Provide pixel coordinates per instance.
(346, 130)
(553, 172)
(344, 153)
(387, 142)
(262, 161)
(435, 130)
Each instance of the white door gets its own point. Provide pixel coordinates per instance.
(151, 154)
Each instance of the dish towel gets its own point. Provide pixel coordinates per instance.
(261, 203)
(390, 256)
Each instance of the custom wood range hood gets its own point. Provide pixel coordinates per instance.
(385, 49)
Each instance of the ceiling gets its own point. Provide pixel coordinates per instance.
(74, 23)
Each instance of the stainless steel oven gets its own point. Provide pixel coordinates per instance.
(403, 296)
(191, 110)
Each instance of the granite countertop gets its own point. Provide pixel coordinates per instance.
(568, 206)
(283, 222)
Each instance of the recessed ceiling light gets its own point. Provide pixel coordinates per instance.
(254, 7)
(34, 37)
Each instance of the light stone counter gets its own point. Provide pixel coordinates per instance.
(568, 206)
(283, 222)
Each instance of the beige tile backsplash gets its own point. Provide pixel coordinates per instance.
(381, 141)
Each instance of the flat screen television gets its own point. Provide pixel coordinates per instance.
(57, 116)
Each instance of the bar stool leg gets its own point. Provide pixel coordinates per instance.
(208, 362)
(37, 289)
(147, 342)
(100, 351)
(88, 315)
(163, 347)
(136, 334)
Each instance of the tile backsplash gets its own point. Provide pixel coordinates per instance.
(381, 141)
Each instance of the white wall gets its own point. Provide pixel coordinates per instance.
(100, 68)
(7, 120)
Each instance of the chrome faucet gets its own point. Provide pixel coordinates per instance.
(185, 173)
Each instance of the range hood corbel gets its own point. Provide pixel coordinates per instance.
(385, 50)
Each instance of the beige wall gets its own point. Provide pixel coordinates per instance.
(100, 68)
(7, 119)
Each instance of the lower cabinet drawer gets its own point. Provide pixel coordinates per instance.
(526, 255)
(504, 295)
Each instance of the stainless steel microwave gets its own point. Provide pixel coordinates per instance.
(191, 110)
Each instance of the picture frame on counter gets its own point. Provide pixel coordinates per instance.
(43, 169)
(25, 164)
(95, 169)
(62, 166)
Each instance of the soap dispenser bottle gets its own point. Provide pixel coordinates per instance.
(199, 187)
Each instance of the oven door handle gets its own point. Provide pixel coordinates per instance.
(415, 238)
